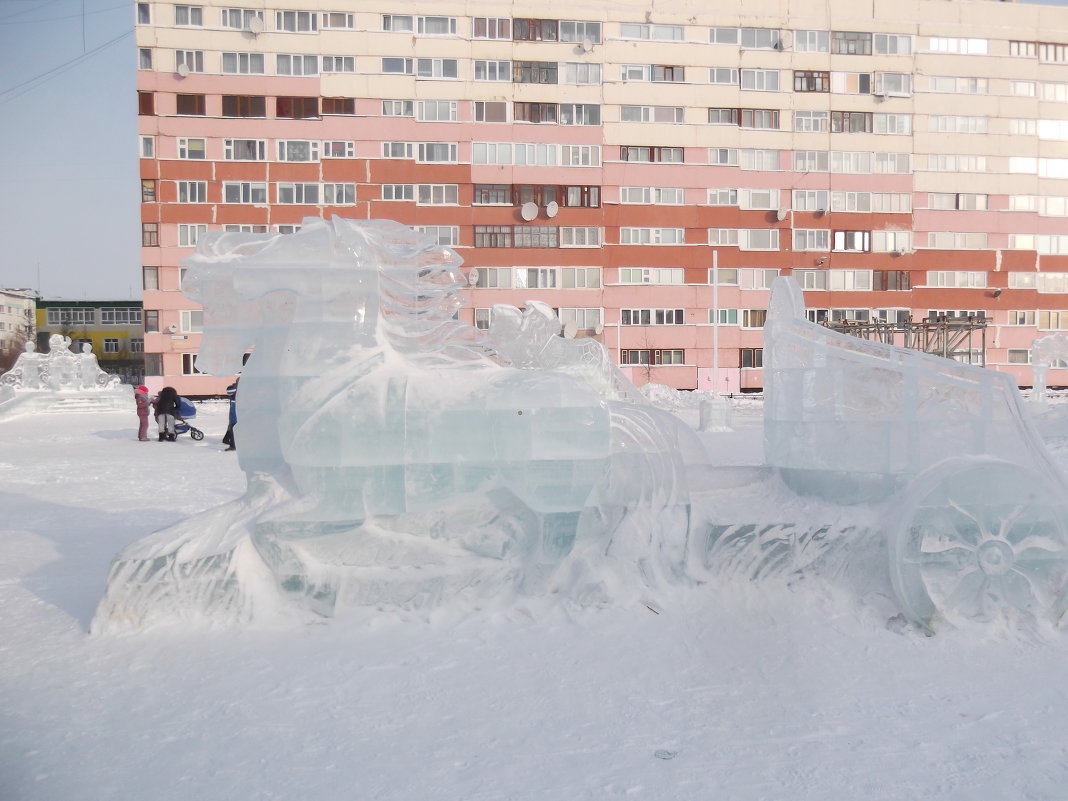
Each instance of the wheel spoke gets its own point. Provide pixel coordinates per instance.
(968, 597)
(1018, 591)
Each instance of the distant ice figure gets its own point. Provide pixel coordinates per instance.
(1046, 352)
(60, 380)
(396, 456)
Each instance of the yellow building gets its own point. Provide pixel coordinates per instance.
(113, 328)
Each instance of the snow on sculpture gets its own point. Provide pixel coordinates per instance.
(60, 381)
(975, 519)
(398, 457)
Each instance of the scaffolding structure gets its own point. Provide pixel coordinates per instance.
(950, 337)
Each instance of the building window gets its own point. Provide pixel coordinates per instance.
(242, 63)
(535, 72)
(891, 280)
(192, 149)
(245, 149)
(437, 194)
(751, 357)
(851, 43)
(535, 30)
(491, 111)
(580, 278)
(812, 81)
(493, 236)
(137, 345)
(192, 191)
(144, 58)
(245, 192)
(491, 28)
(150, 277)
(761, 38)
(150, 235)
(244, 106)
(436, 111)
(148, 147)
(298, 193)
(852, 241)
(188, 60)
(398, 191)
(444, 235)
(298, 150)
(436, 26)
(494, 278)
(148, 190)
(671, 114)
(483, 319)
(672, 155)
(189, 364)
(189, 233)
(297, 108)
(336, 20)
(652, 317)
(111, 345)
(398, 108)
(192, 105)
(436, 68)
(436, 152)
(534, 112)
(398, 22)
(289, 64)
(493, 70)
(146, 104)
(240, 18)
(851, 122)
(723, 75)
(151, 321)
(144, 14)
(760, 80)
(296, 21)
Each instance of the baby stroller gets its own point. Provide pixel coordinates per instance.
(186, 411)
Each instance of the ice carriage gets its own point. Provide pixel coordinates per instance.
(971, 501)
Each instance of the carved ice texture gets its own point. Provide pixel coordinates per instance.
(975, 505)
(60, 381)
(398, 457)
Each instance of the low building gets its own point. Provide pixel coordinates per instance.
(114, 328)
(16, 322)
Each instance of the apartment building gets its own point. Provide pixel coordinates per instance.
(645, 169)
(16, 323)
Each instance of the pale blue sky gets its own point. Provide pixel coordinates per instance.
(69, 191)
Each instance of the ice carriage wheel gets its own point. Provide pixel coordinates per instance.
(974, 539)
(196, 434)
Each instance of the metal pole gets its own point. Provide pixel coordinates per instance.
(715, 322)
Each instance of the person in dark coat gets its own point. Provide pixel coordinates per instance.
(166, 406)
(228, 437)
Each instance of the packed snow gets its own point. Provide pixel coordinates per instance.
(794, 685)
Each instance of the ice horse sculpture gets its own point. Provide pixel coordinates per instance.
(398, 457)
(60, 381)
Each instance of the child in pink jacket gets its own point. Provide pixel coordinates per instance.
(142, 400)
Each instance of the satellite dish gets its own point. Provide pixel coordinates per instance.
(586, 45)
(820, 212)
(781, 214)
(255, 25)
(529, 211)
(552, 208)
(472, 276)
(183, 70)
(570, 329)
(785, 40)
(598, 329)
(172, 328)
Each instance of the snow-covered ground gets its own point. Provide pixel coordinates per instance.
(740, 690)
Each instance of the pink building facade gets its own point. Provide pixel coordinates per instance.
(904, 161)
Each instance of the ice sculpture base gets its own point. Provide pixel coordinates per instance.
(116, 399)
